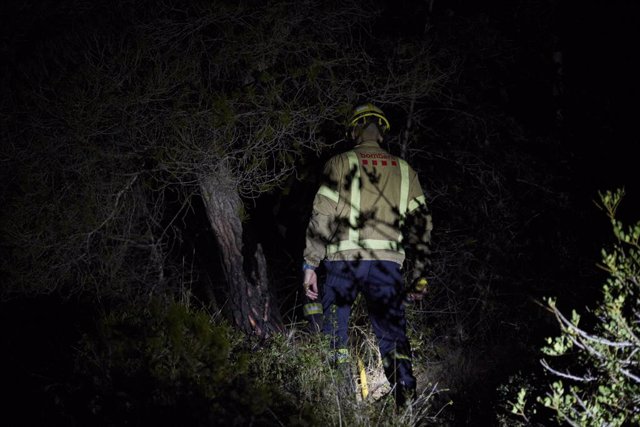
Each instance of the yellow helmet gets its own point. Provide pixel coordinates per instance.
(369, 113)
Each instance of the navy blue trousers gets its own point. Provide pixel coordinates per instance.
(381, 284)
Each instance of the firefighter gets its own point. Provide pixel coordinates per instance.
(368, 211)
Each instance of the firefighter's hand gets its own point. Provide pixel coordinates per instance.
(418, 290)
(311, 284)
(415, 296)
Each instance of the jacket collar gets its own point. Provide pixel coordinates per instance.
(371, 143)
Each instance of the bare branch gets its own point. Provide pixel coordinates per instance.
(565, 375)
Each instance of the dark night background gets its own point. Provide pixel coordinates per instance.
(554, 133)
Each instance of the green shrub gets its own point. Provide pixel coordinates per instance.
(171, 365)
(599, 381)
(165, 363)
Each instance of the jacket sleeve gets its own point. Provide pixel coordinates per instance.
(417, 228)
(322, 224)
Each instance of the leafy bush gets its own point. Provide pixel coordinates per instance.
(599, 383)
(165, 363)
(168, 364)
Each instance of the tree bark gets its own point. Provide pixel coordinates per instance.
(245, 268)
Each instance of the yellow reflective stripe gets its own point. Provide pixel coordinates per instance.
(341, 355)
(373, 244)
(417, 202)
(392, 357)
(312, 308)
(354, 232)
(401, 356)
(404, 187)
(354, 241)
(329, 193)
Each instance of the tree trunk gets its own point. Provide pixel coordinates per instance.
(245, 270)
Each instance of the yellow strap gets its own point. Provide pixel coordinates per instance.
(364, 387)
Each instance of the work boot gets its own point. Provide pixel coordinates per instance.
(405, 395)
(344, 378)
(346, 383)
(397, 368)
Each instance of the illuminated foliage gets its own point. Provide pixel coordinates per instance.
(599, 384)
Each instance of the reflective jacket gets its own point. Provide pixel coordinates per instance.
(361, 207)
